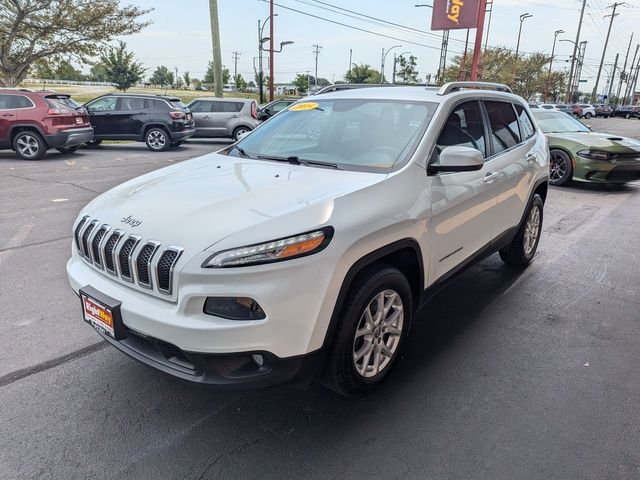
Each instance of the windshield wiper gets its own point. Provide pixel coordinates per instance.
(294, 160)
(240, 151)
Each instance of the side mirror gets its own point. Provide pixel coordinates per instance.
(458, 159)
(262, 115)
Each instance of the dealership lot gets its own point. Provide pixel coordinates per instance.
(507, 374)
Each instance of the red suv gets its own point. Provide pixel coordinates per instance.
(33, 122)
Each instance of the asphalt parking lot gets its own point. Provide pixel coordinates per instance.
(506, 374)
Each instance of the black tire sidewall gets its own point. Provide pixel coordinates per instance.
(42, 146)
(536, 202)
(569, 172)
(167, 143)
(367, 285)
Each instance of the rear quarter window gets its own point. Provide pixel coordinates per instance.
(20, 101)
(232, 107)
(527, 130)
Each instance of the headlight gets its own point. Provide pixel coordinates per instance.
(597, 155)
(275, 251)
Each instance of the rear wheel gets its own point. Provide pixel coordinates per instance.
(29, 145)
(588, 115)
(157, 139)
(372, 326)
(67, 149)
(523, 248)
(239, 131)
(560, 168)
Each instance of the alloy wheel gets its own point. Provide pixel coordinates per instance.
(157, 140)
(531, 231)
(27, 146)
(378, 334)
(558, 167)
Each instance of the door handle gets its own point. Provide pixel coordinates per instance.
(234, 116)
(206, 118)
(490, 177)
(7, 115)
(531, 157)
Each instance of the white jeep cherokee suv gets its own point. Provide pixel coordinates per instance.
(303, 249)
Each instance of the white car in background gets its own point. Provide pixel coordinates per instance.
(548, 106)
(588, 111)
(286, 256)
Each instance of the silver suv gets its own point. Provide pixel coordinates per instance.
(227, 118)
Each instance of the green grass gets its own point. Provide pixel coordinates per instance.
(84, 93)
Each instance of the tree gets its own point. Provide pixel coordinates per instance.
(303, 82)
(362, 74)
(161, 76)
(187, 78)
(98, 73)
(120, 67)
(33, 30)
(323, 82)
(240, 82)
(209, 76)
(406, 69)
(42, 69)
(65, 71)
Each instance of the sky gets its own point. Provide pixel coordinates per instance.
(180, 34)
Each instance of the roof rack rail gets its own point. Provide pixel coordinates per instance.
(336, 87)
(456, 86)
(20, 89)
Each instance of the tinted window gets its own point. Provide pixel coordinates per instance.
(464, 127)
(177, 103)
(5, 102)
(127, 104)
(105, 104)
(558, 122)
(61, 101)
(201, 107)
(231, 107)
(526, 125)
(156, 104)
(20, 101)
(504, 126)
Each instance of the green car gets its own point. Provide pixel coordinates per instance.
(579, 154)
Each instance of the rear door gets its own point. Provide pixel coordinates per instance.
(130, 116)
(101, 114)
(225, 117)
(202, 115)
(7, 117)
(512, 159)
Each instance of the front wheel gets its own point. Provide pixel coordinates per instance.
(560, 168)
(587, 115)
(372, 326)
(157, 139)
(523, 248)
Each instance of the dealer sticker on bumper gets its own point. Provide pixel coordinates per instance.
(102, 312)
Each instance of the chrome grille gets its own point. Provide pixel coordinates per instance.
(125, 256)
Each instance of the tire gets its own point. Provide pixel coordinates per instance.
(29, 145)
(356, 363)
(523, 248)
(157, 139)
(239, 131)
(93, 143)
(588, 115)
(67, 149)
(561, 168)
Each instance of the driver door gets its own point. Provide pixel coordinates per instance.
(462, 203)
(101, 114)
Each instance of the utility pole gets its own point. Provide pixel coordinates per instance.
(582, 50)
(475, 61)
(604, 50)
(272, 34)
(215, 43)
(635, 82)
(395, 62)
(175, 80)
(236, 56)
(260, 71)
(316, 52)
(630, 79)
(575, 51)
(613, 77)
(624, 74)
(350, 60)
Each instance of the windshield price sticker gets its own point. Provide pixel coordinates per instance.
(302, 107)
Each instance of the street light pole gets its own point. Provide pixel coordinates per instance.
(523, 17)
(384, 57)
(553, 51)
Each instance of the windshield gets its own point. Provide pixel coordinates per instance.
(60, 101)
(558, 123)
(367, 135)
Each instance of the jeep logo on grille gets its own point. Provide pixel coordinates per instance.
(131, 221)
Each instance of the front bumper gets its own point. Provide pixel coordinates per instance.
(72, 137)
(607, 172)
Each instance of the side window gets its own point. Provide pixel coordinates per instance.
(278, 107)
(464, 127)
(232, 107)
(504, 126)
(5, 102)
(20, 101)
(127, 104)
(526, 125)
(105, 104)
(216, 107)
(201, 107)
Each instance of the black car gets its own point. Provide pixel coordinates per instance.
(159, 121)
(270, 109)
(627, 111)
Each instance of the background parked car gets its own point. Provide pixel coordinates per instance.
(270, 109)
(33, 122)
(159, 121)
(603, 110)
(627, 111)
(224, 117)
(548, 106)
(587, 110)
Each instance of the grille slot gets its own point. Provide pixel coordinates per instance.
(76, 234)
(143, 263)
(95, 245)
(109, 252)
(124, 258)
(85, 239)
(166, 263)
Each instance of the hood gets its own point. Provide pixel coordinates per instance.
(199, 202)
(599, 141)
